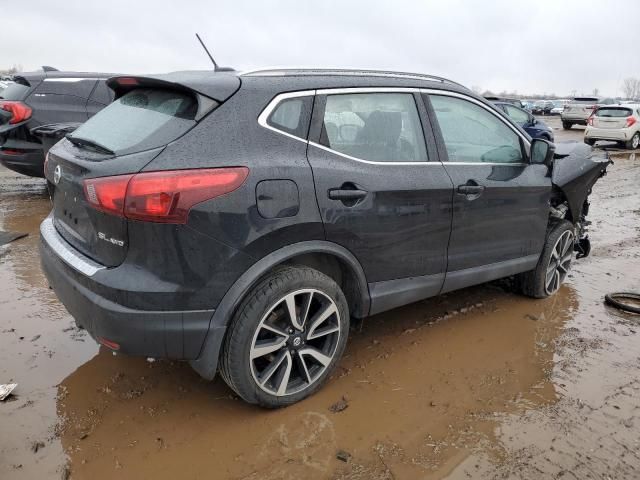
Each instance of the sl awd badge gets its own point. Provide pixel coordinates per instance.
(57, 173)
(113, 241)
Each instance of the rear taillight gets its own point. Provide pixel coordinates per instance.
(631, 121)
(590, 120)
(164, 197)
(19, 111)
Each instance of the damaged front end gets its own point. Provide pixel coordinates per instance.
(576, 168)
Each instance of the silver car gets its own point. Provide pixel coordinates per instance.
(578, 110)
(615, 123)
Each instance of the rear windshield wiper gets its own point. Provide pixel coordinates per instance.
(84, 142)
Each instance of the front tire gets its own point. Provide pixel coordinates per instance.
(590, 141)
(634, 143)
(554, 263)
(286, 337)
(567, 125)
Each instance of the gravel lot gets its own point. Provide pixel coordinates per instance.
(480, 383)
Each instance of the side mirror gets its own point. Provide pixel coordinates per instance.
(542, 152)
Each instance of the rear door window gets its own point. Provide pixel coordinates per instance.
(77, 87)
(381, 127)
(473, 134)
(142, 119)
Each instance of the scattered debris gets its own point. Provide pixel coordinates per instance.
(35, 337)
(340, 405)
(6, 389)
(7, 237)
(35, 446)
(343, 456)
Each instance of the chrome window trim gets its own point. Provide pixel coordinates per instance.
(65, 252)
(371, 162)
(72, 79)
(264, 115)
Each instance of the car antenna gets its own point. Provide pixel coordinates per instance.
(216, 67)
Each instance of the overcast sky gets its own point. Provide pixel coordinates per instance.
(535, 46)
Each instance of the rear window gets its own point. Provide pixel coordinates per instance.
(585, 100)
(614, 112)
(142, 119)
(15, 91)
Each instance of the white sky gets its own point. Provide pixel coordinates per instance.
(536, 46)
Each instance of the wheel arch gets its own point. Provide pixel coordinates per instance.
(330, 258)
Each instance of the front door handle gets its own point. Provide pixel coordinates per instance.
(346, 194)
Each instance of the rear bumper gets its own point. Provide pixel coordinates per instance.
(28, 163)
(171, 334)
(616, 134)
(578, 120)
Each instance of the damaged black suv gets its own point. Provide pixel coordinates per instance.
(238, 221)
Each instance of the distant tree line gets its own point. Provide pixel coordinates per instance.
(631, 88)
(10, 71)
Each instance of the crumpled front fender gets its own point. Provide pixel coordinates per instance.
(576, 168)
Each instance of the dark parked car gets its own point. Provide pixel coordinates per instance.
(542, 107)
(41, 98)
(513, 101)
(534, 127)
(238, 221)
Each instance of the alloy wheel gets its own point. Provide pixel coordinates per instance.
(559, 263)
(295, 342)
(635, 141)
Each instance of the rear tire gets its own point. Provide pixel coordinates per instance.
(590, 141)
(567, 125)
(554, 262)
(634, 143)
(272, 359)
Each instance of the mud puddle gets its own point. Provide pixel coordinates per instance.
(480, 383)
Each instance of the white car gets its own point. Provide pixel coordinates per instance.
(616, 124)
(558, 107)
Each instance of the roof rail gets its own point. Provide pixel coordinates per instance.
(345, 71)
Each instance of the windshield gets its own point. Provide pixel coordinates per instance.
(142, 119)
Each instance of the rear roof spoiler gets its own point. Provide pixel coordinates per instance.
(217, 86)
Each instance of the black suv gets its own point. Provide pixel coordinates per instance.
(41, 98)
(238, 221)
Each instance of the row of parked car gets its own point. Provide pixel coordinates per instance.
(606, 119)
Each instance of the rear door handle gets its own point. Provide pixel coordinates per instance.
(345, 194)
(470, 189)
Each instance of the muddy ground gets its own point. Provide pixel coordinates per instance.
(480, 383)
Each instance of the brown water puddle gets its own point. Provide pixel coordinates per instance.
(478, 383)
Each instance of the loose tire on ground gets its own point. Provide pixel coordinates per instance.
(307, 355)
(618, 300)
(535, 282)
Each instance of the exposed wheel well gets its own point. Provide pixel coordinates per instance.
(559, 206)
(339, 271)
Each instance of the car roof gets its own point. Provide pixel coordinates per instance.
(210, 83)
